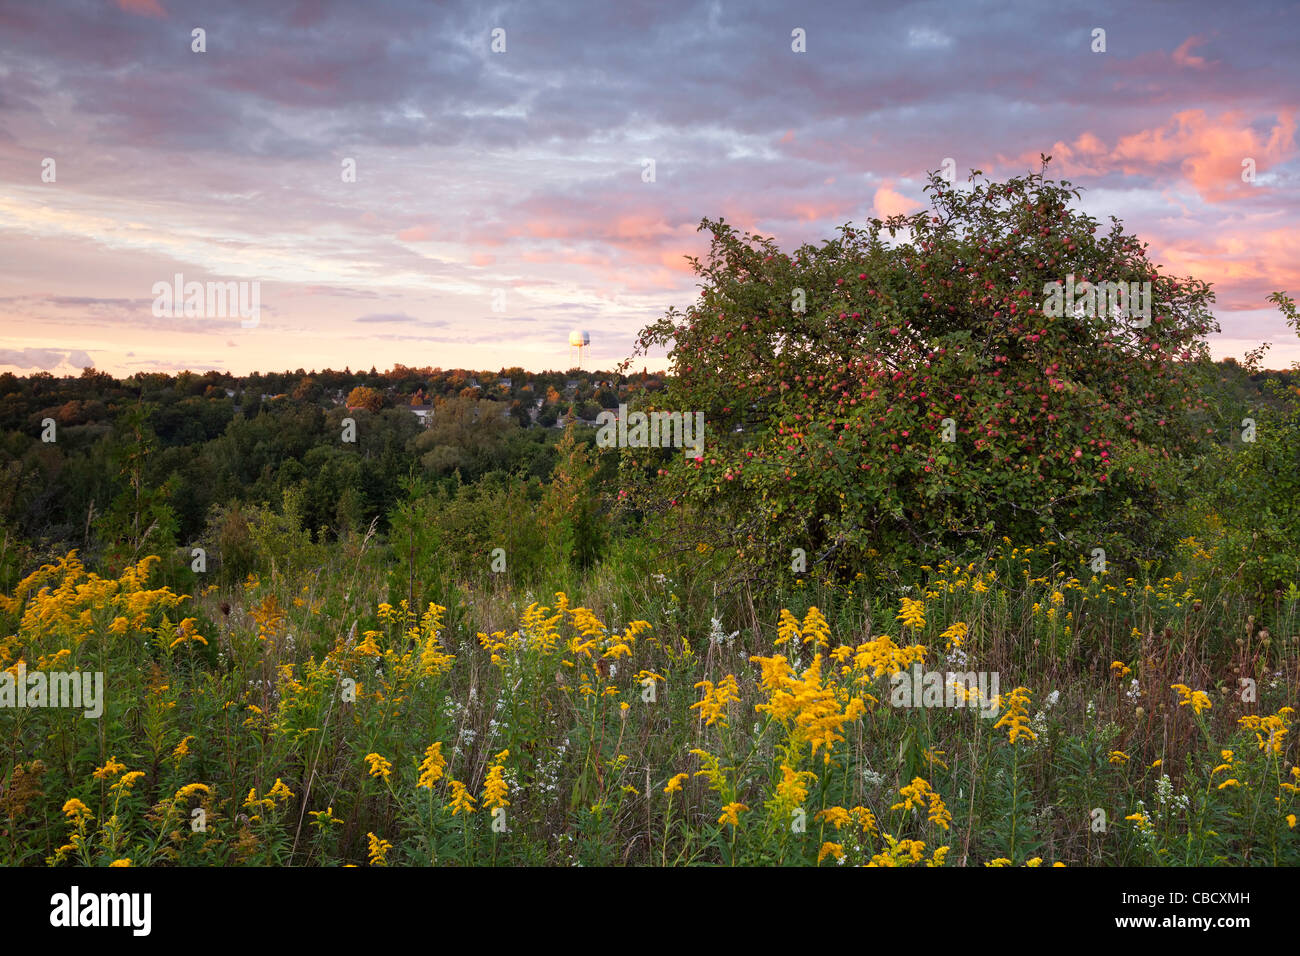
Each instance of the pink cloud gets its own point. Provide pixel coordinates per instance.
(1244, 264)
(1207, 153)
(888, 202)
(482, 259)
(1183, 58)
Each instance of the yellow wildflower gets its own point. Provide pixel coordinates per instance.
(1198, 699)
(675, 784)
(713, 705)
(830, 849)
(1015, 716)
(74, 809)
(378, 850)
(432, 767)
(279, 792)
(379, 767)
(495, 788)
(460, 799)
(731, 813)
(912, 614)
(110, 770)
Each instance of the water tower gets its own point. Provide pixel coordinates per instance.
(579, 339)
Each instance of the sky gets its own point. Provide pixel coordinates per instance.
(502, 195)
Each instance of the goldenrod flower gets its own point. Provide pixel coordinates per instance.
(379, 767)
(712, 771)
(900, 853)
(830, 849)
(186, 634)
(75, 810)
(835, 816)
(460, 799)
(1118, 756)
(495, 787)
(731, 813)
(1142, 820)
(432, 767)
(109, 770)
(955, 635)
(1198, 699)
(127, 781)
(378, 850)
(792, 791)
(675, 784)
(182, 748)
(368, 647)
(919, 792)
(190, 789)
(912, 614)
(280, 793)
(866, 819)
(1015, 716)
(124, 862)
(713, 705)
(1276, 726)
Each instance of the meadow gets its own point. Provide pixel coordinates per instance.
(302, 717)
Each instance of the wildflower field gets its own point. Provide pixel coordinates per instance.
(309, 718)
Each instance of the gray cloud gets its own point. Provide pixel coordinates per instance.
(44, 359)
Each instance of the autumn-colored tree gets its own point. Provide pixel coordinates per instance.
(365, 397)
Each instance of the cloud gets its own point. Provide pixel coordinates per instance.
(522, 171)
(887, 202)
(399, 318)
(415, 234)
(44, 359)
(1182, 57)
(927, 38)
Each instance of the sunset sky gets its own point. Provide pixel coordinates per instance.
(522, 170)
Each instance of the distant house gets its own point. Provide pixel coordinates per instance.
(505, 383)
(571, 385)
(422, 412)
